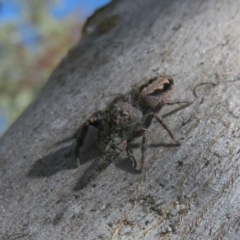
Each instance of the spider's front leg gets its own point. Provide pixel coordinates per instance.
(131, 157)
(148, 121)
(142, 132)
(143, 148)
(119, 149)
(114, 151)
(152, 115)
(80, 135)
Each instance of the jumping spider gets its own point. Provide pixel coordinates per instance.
(128, 117)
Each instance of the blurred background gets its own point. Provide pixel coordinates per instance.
(34, 36)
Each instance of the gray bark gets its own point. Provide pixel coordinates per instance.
(186, 192)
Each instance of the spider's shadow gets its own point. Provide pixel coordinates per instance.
(52, 163)
(123, 163)
(97, 167)
(63, 159)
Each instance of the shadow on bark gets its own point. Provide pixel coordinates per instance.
(99, 166)
(64, 159)
(124, 164)
(53, 163)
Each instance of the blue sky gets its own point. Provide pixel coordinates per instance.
(86, 7)
(10, 10)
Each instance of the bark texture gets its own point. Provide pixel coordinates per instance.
(186, 192)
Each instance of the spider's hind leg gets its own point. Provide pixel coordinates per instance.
(159, 119)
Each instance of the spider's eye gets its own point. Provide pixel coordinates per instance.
(123, 114)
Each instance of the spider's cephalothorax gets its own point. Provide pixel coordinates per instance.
(128, 117)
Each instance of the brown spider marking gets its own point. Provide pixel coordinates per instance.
(128, 117)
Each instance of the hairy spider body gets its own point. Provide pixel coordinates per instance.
(115, 124)
(128, 117)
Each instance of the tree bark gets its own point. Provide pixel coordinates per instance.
(186, 192)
